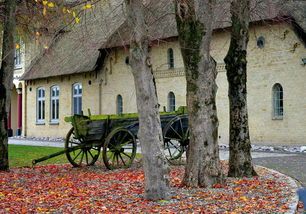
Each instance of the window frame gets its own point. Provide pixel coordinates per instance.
(171, 102)
(56, 99)
(170, 54)
(17, 58)
(277, 101)
(119, 104)
(79, 98)
(40, 108)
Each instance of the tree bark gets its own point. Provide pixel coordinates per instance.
(6, 77)
(194, 20)
(240, 160)
(150, 134)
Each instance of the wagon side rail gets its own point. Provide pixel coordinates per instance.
(79, 124)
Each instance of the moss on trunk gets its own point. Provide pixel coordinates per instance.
(203, 164)
(240, 161)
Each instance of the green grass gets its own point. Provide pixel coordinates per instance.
(20, 155)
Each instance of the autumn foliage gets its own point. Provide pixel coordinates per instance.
(63, 189)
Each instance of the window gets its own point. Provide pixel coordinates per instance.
(261, 42)
(17, 57)
(40, 105)
(77, 98)
(171, 101)
(127, 60)
(119, 104)
(54, 104)
(278, 101)
(170, 58)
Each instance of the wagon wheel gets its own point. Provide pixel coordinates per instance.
(87, 155)
(176, 139)
(119, 149)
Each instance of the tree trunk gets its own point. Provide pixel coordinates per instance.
(240, 161)
(6, 77)
(150, 134)
(195, 31)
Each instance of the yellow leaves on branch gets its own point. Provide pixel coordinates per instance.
(17, 46)
(64, 10)
(46, 3)
(87, 6)
(76, 19)
(50, 4)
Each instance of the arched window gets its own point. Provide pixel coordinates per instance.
(77, 98)
(170, 58)
(40, 109)
(54, 102)
(278, 101)
(171, 101)
(119, 104)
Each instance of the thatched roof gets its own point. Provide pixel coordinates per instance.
(76, 48)
(77, 51)
(165, 25)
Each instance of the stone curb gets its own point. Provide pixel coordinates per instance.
(293, 184)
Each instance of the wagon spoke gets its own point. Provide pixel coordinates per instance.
(122, 139)
(86, 156)
(182, 127)
(174, 145)
(82, 158)
(113, 160)
(169, 149)
(117, 138)
(90, 154)
(77, 155)
(127, 142)
(122, 159)
(117, 159)
(126, 154)
(176, 132)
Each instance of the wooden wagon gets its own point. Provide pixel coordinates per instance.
(117, 135)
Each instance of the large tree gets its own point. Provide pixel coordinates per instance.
(195, 25)
(240, 160)
(6, 76)
(150, 134)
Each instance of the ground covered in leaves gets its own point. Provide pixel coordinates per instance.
(63, 189)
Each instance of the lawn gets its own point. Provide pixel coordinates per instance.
(20, 155)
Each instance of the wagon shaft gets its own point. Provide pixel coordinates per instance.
(56, 154)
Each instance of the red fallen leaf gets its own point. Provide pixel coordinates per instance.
(284, 207)
(218, 186)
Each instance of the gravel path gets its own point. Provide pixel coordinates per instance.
(294, 166)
